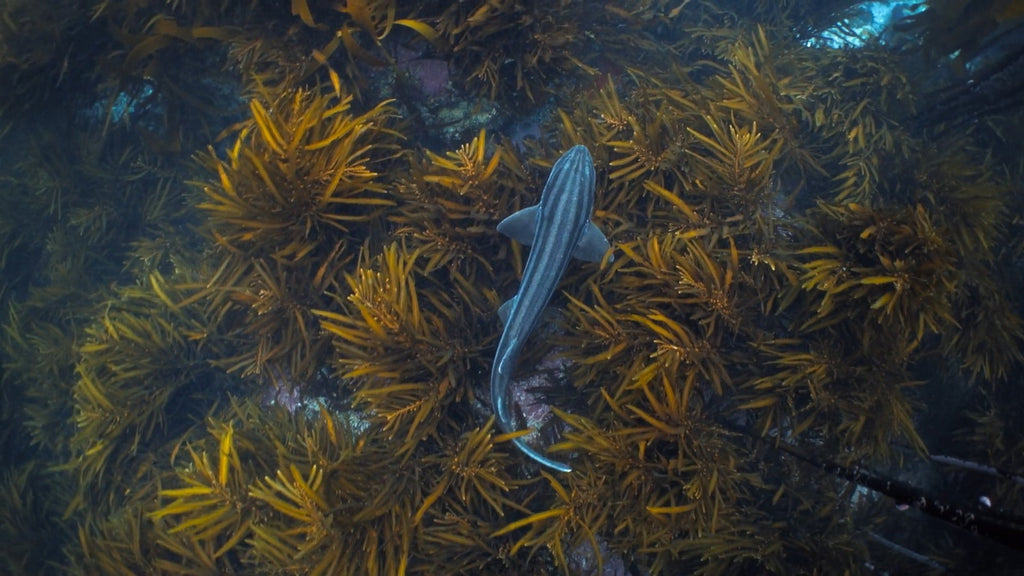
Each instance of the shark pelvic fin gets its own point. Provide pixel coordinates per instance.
(505, 366)
(506, 309)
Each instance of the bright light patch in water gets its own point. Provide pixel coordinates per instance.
(871, 20)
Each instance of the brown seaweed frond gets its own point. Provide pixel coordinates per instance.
(823, 390)
(646, 146)
(294, 197)
(990, 337)
(207, 518)
(465, 169)
(31, 346)
(30, 522)
(298, 496)
(292, 492)
(449, 205)
(473, 472)
(473, 491)
(337, 503)
(577, 515)
(143, 356)
(122, 544)
(299, 176)
(895, 267)
(282, 334)
(757, 88)
(507, 48)
(641, 139)
(734, 168)
(396, 342)
(680, 335)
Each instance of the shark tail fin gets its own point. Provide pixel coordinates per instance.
(540, 458)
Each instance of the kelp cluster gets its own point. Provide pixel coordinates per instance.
(250, 318)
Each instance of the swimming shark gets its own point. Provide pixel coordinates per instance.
(558, 229)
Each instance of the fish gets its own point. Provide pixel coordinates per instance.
(558, 229)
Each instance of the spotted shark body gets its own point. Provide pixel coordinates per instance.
(558, 229)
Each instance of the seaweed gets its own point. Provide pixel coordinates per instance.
(250, 314)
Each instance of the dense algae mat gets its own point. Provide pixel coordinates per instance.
(251, 273)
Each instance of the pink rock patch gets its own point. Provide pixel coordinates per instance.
(282, 393)
(430, 74)
(525, 395)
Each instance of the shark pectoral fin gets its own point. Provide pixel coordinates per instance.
(506, 309)
(593, 245)
(521, 225)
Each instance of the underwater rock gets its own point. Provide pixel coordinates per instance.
(528, 394)
(430, 75)
(440, 115)
(584, 560)
(283, 392)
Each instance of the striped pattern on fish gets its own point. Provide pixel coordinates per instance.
(558, 229)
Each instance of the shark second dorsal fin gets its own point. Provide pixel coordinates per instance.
(593, 245)
(521, 226)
